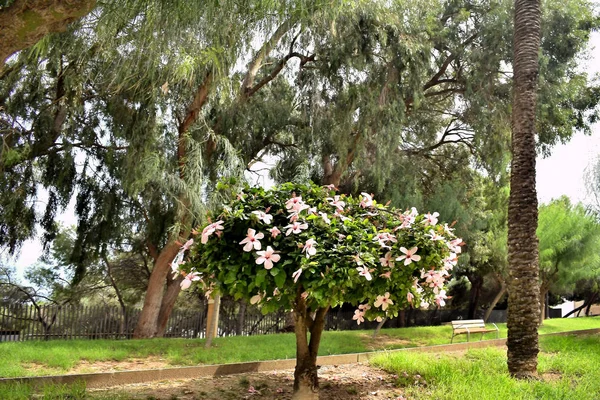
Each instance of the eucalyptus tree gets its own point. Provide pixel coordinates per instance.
(117, 119)
(395, 88)
(523, 292)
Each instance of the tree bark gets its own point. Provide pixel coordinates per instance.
(543, 293)
(475, 293)
(498, 297)
(241, 318)
(212, 322)
(168, 302)
(523, 292)
(25, 22)
(588, 302)
(148, 320)
(306, 382)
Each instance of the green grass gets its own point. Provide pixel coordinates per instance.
(569, 368)
(57, 357)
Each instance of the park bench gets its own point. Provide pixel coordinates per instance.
(468, 326)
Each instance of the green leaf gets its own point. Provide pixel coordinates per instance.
(280, 279)
(274, 271)
(260, 277)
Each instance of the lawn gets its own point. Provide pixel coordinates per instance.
(56, 357)
(569, 368)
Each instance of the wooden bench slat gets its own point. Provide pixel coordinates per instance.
(461, 327)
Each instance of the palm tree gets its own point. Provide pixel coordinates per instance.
(523, 299)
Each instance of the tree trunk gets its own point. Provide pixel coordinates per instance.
(523, 292)
(212, 320)
(498, 297)
(543, 294)
(24, 23)
(241, 318)
(168, 302)
(306, 382)
(588, 302)
(119, 296)
(474, 294)
(148, 321)
(378, 328)
(402, 318)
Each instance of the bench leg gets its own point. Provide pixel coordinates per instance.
(468, 337)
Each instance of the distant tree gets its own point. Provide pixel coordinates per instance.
(569, 238)
(305, 248)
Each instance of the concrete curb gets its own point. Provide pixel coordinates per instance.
(110, 379)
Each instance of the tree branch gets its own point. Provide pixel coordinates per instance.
(25, 22)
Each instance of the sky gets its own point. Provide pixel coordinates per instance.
(562, 173)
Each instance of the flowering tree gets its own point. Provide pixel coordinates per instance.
(305, 248)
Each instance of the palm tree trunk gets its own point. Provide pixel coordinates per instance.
(523, 292)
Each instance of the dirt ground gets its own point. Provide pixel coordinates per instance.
(348, 382)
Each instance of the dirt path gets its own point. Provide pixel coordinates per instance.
(347, 382)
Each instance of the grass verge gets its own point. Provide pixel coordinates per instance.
(58, 357)
(569, 368)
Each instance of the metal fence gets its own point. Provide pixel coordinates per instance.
(28, 322)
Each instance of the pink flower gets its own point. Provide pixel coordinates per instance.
(336, 202)
(187, 244)
(364, 307)
(264, 217)
(297, 274)
(252, 240)
(293, 201)
(385, 237)
(410, 297)
(431, 219)
(447, 229)
(240, 196)
(296, 227)
(440, 298)
(359, 316)
(274, 231)
(189, 278)
(364, 271)
(304, 295)
(434, 236)
(386, 275)
(450, 261)
(325, 218)
(454, 245)
(309, 248)
(298, 207)
(366, 201)
(387, 261)
(383, 301)
(330, 187)
(409, 255)
(268, 257)
(256, 298)
(210, 229)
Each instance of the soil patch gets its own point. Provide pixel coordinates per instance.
(381, 342)
(337, 382)
(85, 367)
